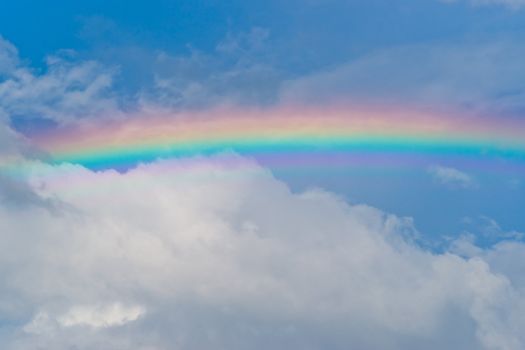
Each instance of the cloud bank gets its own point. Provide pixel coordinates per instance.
(216, 253)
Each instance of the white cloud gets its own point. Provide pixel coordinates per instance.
(67, 90)
(451, 176)
(221, 254)
(111, 315)
(94, 316)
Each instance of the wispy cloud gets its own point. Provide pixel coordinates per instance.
(66, 91)
(512, 4)
(480, 76)
(451, 176)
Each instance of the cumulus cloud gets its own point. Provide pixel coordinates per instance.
(216, 253)
(451, 176)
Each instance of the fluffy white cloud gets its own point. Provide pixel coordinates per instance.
(216, 253)
(451, 176)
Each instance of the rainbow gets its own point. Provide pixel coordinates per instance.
(295, 136)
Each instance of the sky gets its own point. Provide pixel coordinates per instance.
(313, 174)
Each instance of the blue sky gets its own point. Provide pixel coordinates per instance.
(71, 62)
(304, 35)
